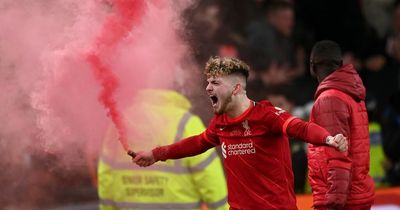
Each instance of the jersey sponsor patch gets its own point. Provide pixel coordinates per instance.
(237, 149)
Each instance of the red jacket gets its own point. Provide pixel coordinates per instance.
(341, 178)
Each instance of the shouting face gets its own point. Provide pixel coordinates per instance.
(220, 90)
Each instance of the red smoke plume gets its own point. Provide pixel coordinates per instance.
(126, 14)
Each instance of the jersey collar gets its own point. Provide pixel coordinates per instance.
(241, 116)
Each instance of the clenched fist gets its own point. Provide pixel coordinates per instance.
(338, 141)
(144, 159)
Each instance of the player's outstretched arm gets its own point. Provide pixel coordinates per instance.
(315, 134)
(190, 146)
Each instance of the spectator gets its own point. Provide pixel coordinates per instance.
(339, 180)
(271, 49)
(159, 117)
(391, 139)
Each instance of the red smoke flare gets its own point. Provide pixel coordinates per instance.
(125, 15)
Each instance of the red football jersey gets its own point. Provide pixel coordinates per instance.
(256, 156)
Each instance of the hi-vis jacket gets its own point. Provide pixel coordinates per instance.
(159, 117)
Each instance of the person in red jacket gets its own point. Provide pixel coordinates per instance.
(253, 140)
(339, 180)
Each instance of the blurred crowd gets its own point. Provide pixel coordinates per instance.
(275, 37)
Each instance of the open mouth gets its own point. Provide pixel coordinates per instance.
(214, 100)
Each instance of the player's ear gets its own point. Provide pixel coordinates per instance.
(237, 88)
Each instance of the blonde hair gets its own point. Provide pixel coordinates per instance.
(217, 66)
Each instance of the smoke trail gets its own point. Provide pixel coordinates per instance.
(48, 101)
(127, 13)
(109, 83)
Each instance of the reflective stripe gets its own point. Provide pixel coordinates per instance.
(217, 204)
(181, 126)
(203, 164)
(153, 206)
(177, 168)
(129, 166)
(179, 133)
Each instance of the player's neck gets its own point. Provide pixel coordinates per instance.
(241, 105)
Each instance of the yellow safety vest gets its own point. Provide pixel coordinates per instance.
(159, 117)
(376, 153)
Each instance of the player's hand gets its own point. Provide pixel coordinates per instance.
(338, 141)
(144, 159)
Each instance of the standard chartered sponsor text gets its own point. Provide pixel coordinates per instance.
(241, 149)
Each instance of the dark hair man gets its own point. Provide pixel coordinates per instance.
(339, 180)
